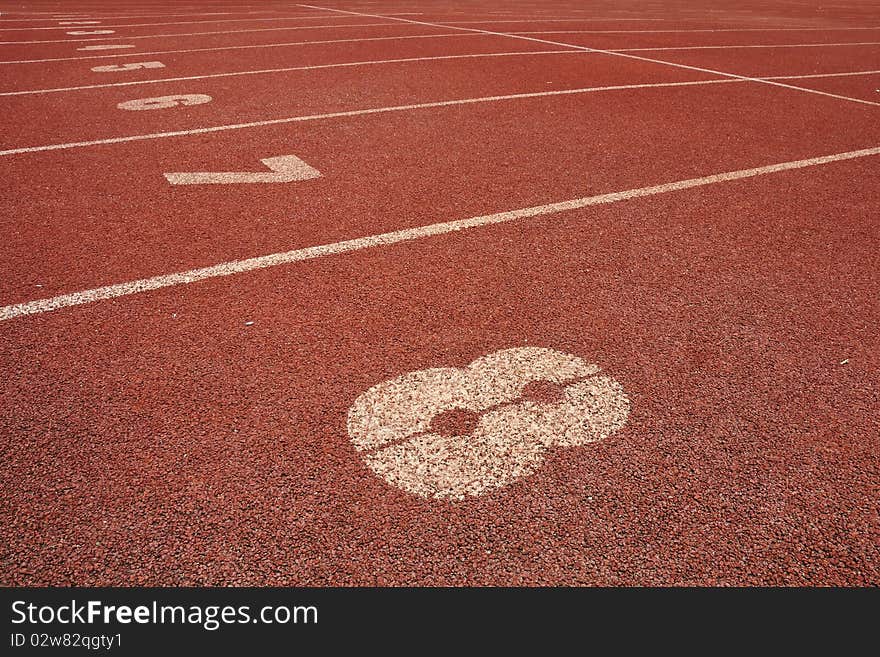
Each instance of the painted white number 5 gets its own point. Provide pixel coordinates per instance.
(133, 66)
(164, 102)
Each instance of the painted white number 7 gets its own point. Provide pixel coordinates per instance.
(283, 169)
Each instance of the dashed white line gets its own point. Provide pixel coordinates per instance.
(88, 32)
(106, 47)
(406, 235)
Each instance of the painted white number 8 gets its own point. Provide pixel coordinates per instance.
(517, 404)
(127, 67)
(164, 102)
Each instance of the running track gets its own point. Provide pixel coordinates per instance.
(194, 369)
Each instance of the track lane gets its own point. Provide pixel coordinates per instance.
(867, 86)
(61, 27)
(659, 38)
(71, 74)
(196, 434)
(19, 51)
(129, 49)
(320, 91)
(172, 444)
(53, 77)
(122, 221)
(765, 62)
(9, 20)
(75, 34)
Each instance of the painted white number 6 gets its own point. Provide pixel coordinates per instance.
(164, 102)
(127, 67)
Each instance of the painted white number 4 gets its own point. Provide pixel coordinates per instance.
(164, 102)
(133, 66)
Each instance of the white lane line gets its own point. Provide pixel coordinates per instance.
(736, 47)
(697, 30)
(542, 20)
(223, 20)
(296, 68)
(617, 54)
(824, 75)
(249, 47)
(512, 17)
(187, 34)
(267, 71)
(403, 108)
(350, 113)
(406, 235)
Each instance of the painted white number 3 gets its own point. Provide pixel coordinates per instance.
(164, 102)
(133, 66)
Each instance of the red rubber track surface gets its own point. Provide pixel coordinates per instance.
(197, 434)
